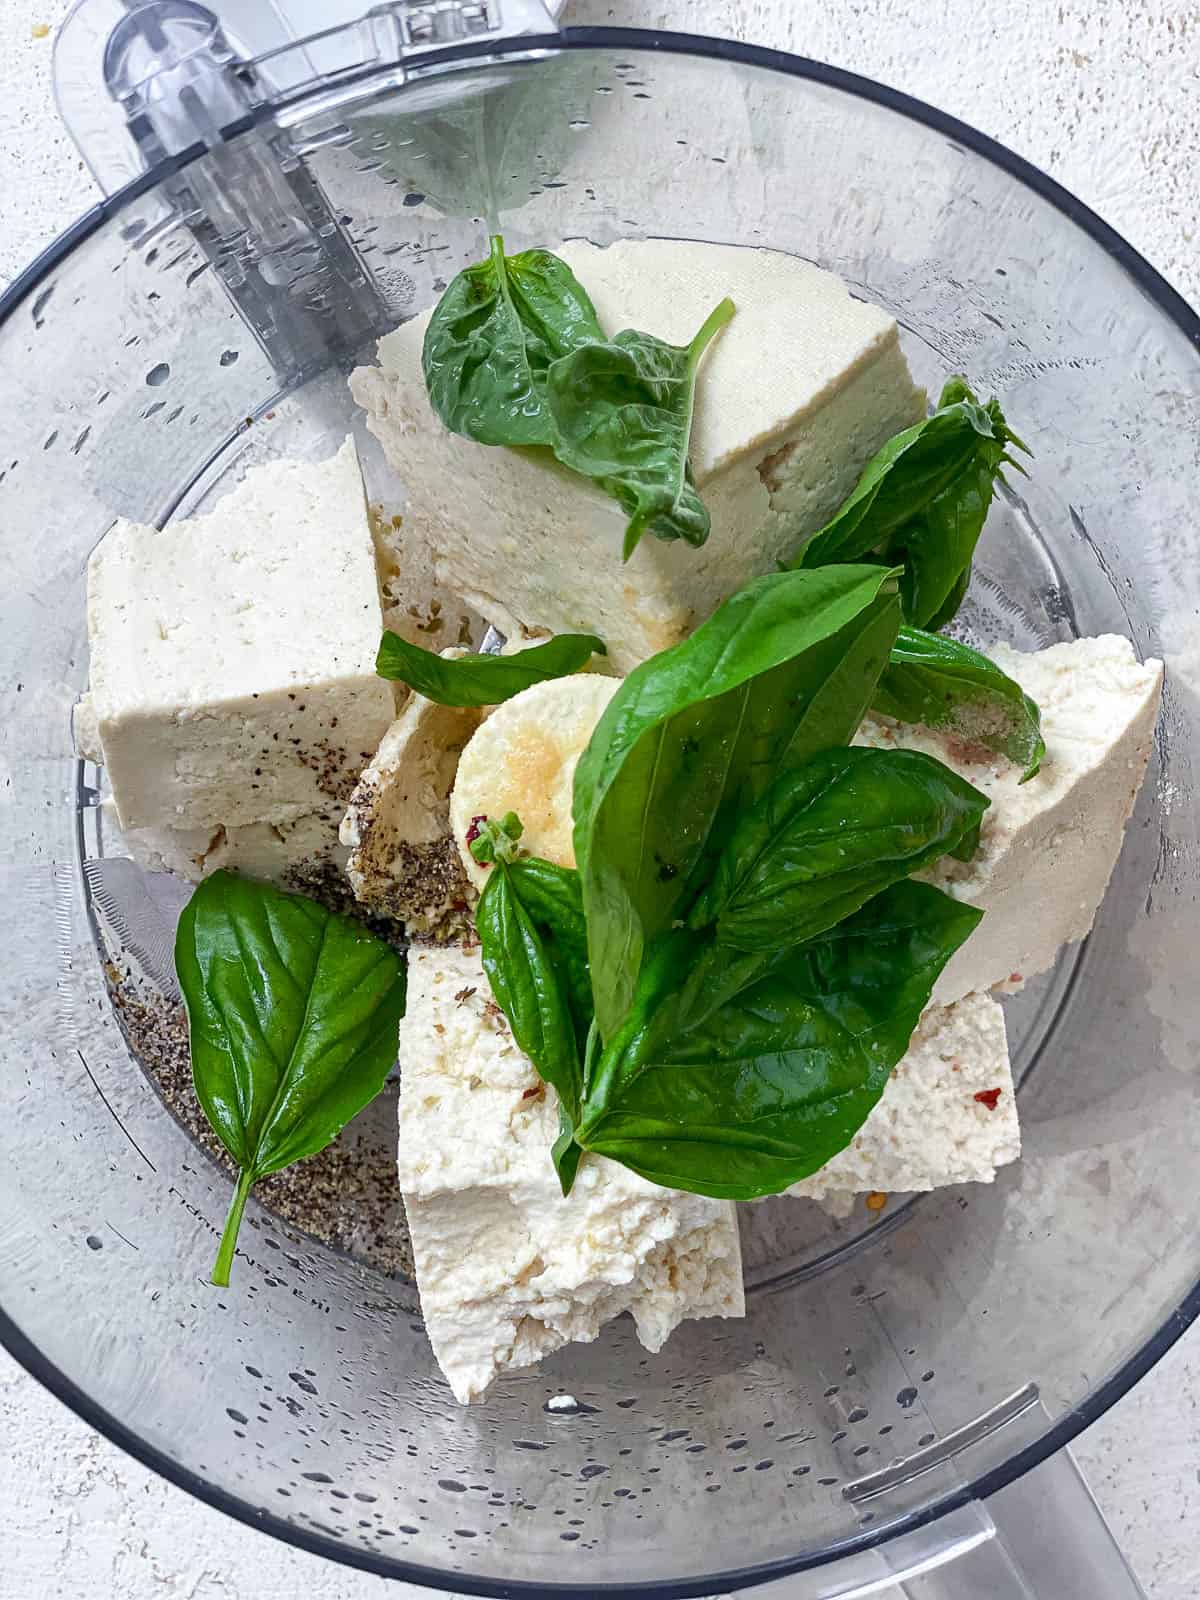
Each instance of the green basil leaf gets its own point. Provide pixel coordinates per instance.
(294, 1015)
(553, 897)
(938, 544)
(566, 1153)
(944, 684)
(483, 680)
(909, 471)
(923, 500)
(949, 607)
(492, 338)
(827, 838)
(622, 413)
(766, 1088)
(529, 987)
(533, 943)
(785, 667)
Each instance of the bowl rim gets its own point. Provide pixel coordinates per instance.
(1136, 1365)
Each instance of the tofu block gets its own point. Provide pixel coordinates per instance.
(233, 655)
(795, 395)
(1047, 847)
(523, 759)
(296, 855)
(508, 1269)
(928, 1129)
(402, 860)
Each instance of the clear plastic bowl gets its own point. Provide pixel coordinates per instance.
(967, 1333)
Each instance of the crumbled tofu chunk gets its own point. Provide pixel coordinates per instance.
(1047, 847)
(294, 854)
(508, 1269)
(233, 655)
(181, 851)
(523, 759)
(931, 1128)
(795, 395)
(403, 862)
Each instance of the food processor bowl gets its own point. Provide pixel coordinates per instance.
(894, 1367)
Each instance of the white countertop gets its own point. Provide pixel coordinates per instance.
(1104, 97)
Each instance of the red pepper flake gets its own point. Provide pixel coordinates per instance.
(1015, 977)
(989, 1098)
(533, 1093)
(475, 829)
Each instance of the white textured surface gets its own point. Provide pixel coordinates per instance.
(1105, 97)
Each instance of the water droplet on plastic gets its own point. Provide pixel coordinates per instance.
(566, 1405)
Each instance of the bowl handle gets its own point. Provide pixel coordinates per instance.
(1043, 1537)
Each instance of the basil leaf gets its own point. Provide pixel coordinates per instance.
(553, 897)
(939, 542)
(827, 838)
(766, 1088)
(492, 338)
(622, 412)
(534, 950)
(944, 684)
(565, 1152)
(923, 500)
(909, 471)
(294, 1015)
(949, 607)
(785, 667)
(514, 355)
(483, 680)
(528, 987)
